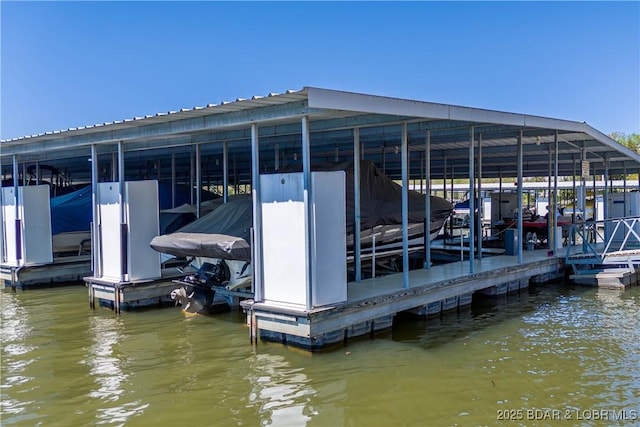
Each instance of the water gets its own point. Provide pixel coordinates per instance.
(554, 351)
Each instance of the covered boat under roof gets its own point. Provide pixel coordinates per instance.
(225, 232)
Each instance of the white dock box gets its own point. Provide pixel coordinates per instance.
(134, 257)
(503, 205)
(623, 205)
(32, 245)
(286, 239)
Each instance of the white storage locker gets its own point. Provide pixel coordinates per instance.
(126, 254)
(287, 238)
(35, 246)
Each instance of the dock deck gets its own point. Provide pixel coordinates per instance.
(372, 303)
(63, 270)
(132, 294)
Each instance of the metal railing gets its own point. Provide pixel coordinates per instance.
(611, 241)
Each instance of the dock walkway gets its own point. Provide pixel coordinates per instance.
(372, 303)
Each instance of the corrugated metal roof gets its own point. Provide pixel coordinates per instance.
(196, 111)
(333, 114)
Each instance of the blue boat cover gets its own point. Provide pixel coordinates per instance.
(72, 211)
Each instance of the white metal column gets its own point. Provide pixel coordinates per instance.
(225, 171)
(257, 213)
(480, 201)
(356, 202)
(173, 180)
(16, 203)
(553, 210)
(427, 200)
(405, 207)
(198, 180)
(95, 224)
(472, 196)
(520, 184)
(307, 196)
(124, 246)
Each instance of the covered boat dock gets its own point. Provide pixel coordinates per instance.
(250, 145)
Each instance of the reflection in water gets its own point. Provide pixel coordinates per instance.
(554, 347)
(14, 356)
(106, 368)
(281, 391)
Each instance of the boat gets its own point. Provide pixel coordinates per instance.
(218, 244)
(71, 217)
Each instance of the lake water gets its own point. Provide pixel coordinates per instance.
(540, 357)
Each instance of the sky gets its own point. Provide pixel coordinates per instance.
(70, 64)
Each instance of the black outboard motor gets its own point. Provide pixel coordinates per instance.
(210, 274)
(199, 289)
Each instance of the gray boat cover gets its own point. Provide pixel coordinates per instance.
(381, 198)
(224, 233)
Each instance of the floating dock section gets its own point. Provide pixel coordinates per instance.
(372, 304)
(301, 292)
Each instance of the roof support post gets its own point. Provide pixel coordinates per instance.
(427, 200)
(595, 195)
(479, 198)
(16, 201)
(191, 177)
(124, 238)
(173, 180)
(605, 195)
(550, 211)
(114, 166)
(95, 223)
(624, 188)
(444, 176)
(574, 197)
(472, 197)
(356, 203)
(520, 184)
(405, 207)
(307, 197)
(38, 176)
(553, 210)
(198, 179)
(225, 172)
(257, 215)
(583, 183)
(276, 156)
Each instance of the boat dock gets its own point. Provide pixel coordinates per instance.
(125, 295)
(305, 237)
(61, 270)
(372, 303)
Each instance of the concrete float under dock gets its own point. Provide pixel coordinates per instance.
(372, 303)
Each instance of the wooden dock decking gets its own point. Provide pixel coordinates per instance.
(372, 303)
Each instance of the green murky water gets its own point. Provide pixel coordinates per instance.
(552, 352)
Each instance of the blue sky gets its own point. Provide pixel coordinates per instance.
(80, 63)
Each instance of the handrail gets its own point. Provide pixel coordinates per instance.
(588, 232)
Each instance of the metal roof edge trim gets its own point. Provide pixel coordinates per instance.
(604, 139)
(351, 101)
